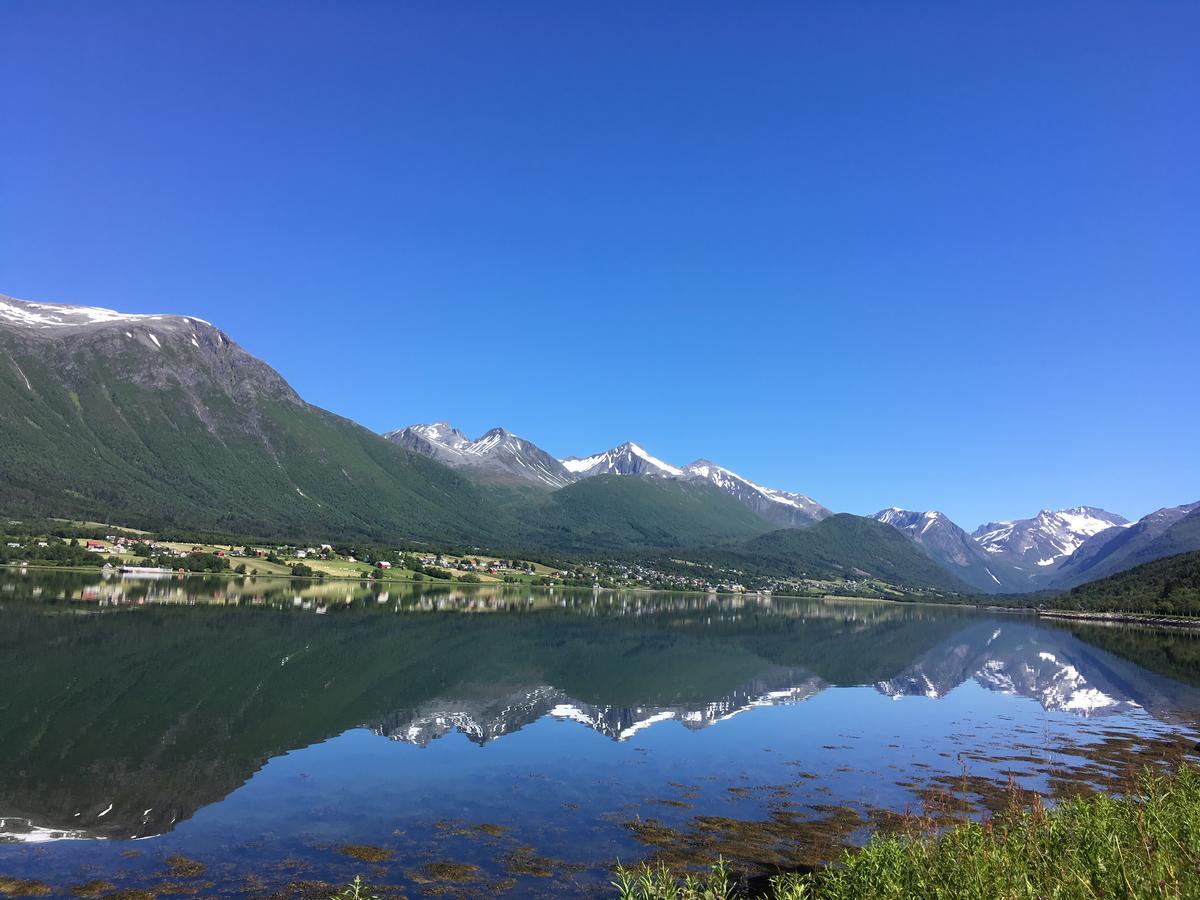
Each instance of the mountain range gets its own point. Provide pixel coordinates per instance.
(164, 422)
(501, 455)
(1053, 550)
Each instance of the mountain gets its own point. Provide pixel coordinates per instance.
(164, 422)
(498, 453)
(1164, 532)
(1046, 539)
(853, 546)
(628, 459)
(501, 455)
(954, 550)
(609, 512)
(778, 507)
(440, 441)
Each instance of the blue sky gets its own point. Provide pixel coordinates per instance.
(923, 254)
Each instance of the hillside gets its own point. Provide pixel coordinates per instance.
(165, 422)
(845, 545)
(1169, 586)
(608, 512)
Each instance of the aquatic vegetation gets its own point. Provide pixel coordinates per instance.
(366, 853)
(181, 866)
(187, 889)
(789, 839)
(95, 888)
(446, 870)
(458, 828)
(1145, 844)
(23, 887)
(525, 861)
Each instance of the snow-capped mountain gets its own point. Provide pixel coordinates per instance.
(439, 440)
(628, 459)
(1164, 532)
(953, 549)
(784, 508)
(499, 453)
(1048, 538)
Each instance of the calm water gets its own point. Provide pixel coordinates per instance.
(529, 738)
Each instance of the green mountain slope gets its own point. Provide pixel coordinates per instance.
(165, 422)
(844, 545)
(617, 511)
(1169, 586)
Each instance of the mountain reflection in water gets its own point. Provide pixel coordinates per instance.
(131, 704)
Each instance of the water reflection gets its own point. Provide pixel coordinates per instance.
(130, 704)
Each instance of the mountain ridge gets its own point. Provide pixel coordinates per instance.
(951, 547)
(448, 444)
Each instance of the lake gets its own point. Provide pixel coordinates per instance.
(269, 737)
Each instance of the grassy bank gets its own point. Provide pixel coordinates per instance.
(1146, 844)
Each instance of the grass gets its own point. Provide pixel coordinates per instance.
(1146, 844)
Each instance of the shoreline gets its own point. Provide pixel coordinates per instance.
(441, 582)
(1182, 623)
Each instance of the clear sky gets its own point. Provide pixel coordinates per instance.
(933, 255)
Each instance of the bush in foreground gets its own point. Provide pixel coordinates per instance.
(1146, 844)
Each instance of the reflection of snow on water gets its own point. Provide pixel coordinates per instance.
(23, 831)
